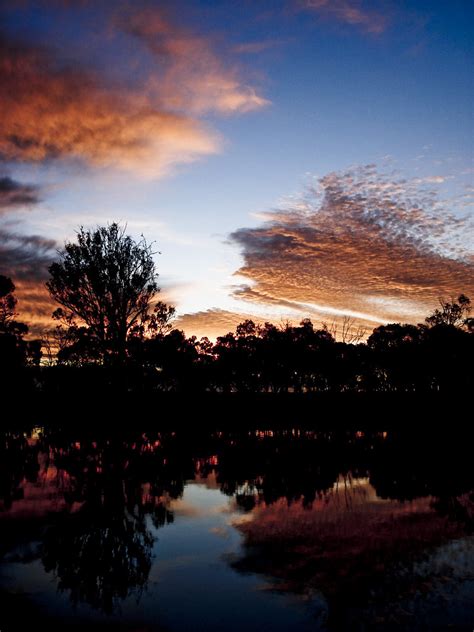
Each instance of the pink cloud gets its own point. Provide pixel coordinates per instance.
(352, 12)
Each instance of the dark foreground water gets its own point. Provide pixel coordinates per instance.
(258, 530)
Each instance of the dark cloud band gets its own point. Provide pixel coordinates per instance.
(14, 194)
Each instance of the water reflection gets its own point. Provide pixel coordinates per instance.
(340, 519)
(96, 495)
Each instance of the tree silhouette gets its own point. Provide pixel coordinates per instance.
(455, 313)
(107, 281)
(7, 301)
(15, 352)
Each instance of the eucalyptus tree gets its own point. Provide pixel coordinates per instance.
(105, 281)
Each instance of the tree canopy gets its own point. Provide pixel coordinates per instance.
(107, 280)
(15, 352)
(7, 300)
(454, 313)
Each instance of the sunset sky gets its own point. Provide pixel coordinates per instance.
(291, 158)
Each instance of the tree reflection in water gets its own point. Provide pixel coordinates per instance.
(102, 552)
(319, 518)
(99, 546)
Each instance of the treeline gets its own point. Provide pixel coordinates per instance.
(430, 357)
(112, 333)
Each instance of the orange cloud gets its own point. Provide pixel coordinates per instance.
(50, 111)
(211, 323)
(35, 307)
(57, 109)
(361, 245)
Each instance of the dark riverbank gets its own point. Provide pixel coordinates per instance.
(434, 412)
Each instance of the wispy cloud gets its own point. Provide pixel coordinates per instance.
(253, 48)
(360, 243)
(195, 78)
(352, 12)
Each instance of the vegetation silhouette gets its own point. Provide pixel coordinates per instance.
(113, 337)
(105, 284)
(18, 356)
(431, 357)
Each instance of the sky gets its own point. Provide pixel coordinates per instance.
(289, 159)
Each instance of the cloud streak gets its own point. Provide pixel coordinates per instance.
(358, 243)
(25, 257)
(351, 12)
(256, 47)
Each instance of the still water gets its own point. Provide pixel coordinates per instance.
(258, 530)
